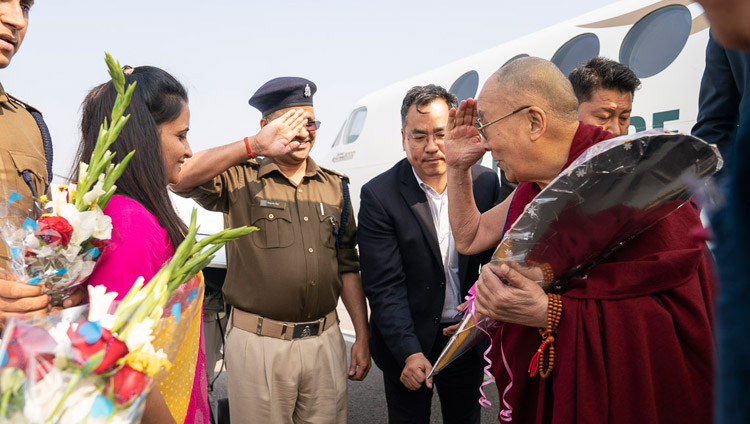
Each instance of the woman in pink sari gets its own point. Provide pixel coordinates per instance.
(146, 227)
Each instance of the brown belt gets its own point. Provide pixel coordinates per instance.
(281, 330)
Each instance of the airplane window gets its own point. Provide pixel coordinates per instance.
(656, 40)
(515, 58)
(576, 51)
(466, 85)
(354, 124)
(337, 140)
(352, 127)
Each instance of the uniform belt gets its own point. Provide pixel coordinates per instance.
(261, 326)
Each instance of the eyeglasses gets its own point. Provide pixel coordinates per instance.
(312, 125)
(480, 126)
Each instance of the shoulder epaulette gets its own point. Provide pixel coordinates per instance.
(335, 172)
(23, 104)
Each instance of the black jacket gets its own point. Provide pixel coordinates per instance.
(402, 270)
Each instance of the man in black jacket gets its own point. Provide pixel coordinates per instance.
(411, 272)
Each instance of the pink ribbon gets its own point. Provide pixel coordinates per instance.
(506, 414)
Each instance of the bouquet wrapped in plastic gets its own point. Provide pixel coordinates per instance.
(96, 363)
(58, 245)
(619, 188)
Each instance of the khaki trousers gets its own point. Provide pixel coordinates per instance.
(270, 380)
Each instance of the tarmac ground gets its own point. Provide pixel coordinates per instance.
(367, 399)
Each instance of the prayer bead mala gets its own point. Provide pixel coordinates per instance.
(548, 276)
(554, 313)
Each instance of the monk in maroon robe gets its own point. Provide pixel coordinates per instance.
(634, 342)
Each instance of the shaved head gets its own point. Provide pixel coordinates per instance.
(539, 112)
(535, 81)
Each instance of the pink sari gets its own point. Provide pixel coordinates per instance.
(139, 247)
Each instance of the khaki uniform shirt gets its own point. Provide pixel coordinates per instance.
(289, 270)
(21, 148)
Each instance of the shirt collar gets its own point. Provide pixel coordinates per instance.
(426, 187)
(268, 165)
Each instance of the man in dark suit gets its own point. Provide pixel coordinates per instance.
(411, 272)
(725, 91)
(729, 24)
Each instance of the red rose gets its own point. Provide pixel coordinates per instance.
(126, 384)
(113, 349)
(100, 244)
(54, 229)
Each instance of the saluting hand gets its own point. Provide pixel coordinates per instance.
(415, 372)
(463, 146)
(522, 302)
(276, 138)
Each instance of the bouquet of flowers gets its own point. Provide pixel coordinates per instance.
(96, 363)
(60, 247)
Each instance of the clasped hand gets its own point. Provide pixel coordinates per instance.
(415, 372)
(18, 299)
(521, 301)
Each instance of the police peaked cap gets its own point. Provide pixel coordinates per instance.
(283, 92)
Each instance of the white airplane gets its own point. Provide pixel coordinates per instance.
(663, 42)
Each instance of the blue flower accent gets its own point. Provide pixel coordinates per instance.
(176, 311)
(94, 252)
(14, 197)
(91, 332)
(61, 271)
(30, 225)
(102, 407)
(193, 294)
(34, 281)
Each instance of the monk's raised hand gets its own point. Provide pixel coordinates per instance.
(463, 144)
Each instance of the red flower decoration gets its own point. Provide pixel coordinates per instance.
(126, 384)
(100, 244)
(31, 349)
(113, 349)
(54, 229)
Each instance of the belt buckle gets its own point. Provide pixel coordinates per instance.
(306, 330)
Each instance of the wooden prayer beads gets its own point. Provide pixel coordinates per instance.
(554, 313)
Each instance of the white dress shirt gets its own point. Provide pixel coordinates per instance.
(439, 209)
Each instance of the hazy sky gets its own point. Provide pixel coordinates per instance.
(223, 51)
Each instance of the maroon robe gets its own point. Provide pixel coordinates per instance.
(634, 344)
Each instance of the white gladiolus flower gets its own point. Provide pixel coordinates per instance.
(78, 404)
(99, 303)
(140, 335)
(44, 395)
(83, 170)
(87, 224)
(59, 198)
(95, 193)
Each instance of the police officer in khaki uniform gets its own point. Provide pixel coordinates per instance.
(23, 164)
(286, 357)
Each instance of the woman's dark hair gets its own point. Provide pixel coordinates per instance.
(157, 99)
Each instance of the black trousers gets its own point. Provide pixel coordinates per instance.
(457, 386)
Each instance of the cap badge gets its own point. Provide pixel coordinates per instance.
(308, 93)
